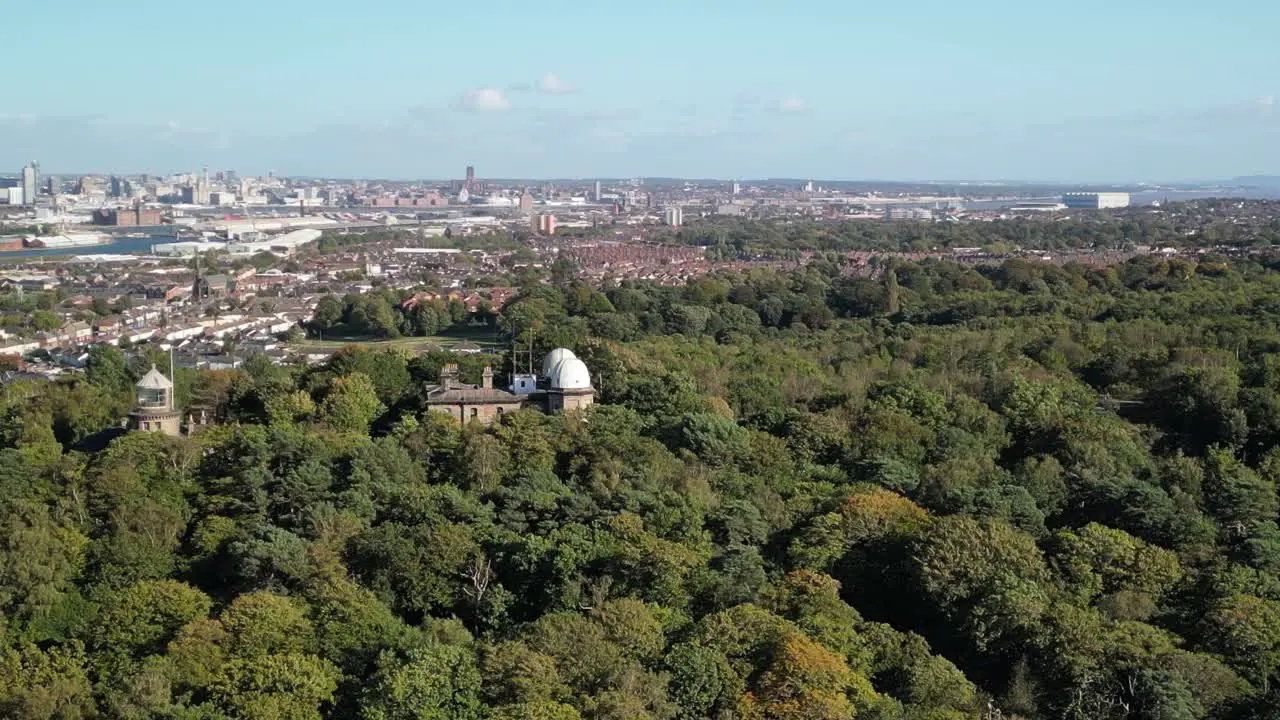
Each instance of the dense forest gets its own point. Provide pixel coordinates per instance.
(1019, 491)
(1199, 223)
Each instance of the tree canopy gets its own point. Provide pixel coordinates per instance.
(935, 492)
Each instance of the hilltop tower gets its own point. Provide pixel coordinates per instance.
(153, 409)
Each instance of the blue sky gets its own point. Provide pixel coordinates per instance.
(1090, 90)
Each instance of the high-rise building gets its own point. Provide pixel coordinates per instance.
(544, 224)
(674, 216)
(52, 186)
(116, 190)
(471, 176)
(89, 186)
(30, 183)
(736, 189)
(597, 195)
(195, 194)
(202, 187)
(11, 193)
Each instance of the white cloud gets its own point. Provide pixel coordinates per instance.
(484, 100)
(553, 84)
(792, 105)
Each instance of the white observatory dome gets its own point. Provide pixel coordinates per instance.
(554, 358)
(570, 374)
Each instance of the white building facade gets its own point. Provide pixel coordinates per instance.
(1095, 200)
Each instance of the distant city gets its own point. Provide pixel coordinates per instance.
(223, 210)
(213, 265)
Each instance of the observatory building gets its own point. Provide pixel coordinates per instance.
(153, 409)
(568, 383)
(564, 384)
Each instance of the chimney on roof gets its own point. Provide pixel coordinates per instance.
(486, 380)
(448, 374)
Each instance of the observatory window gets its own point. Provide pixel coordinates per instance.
(151, 398)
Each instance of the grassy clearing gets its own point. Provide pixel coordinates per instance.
(485, 337)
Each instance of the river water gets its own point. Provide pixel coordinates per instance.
(119, 246)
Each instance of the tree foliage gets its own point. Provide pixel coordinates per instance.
(842, 490)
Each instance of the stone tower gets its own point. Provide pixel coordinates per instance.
(153, 409)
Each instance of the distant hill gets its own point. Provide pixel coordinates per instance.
(1257, 181)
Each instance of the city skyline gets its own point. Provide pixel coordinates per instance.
(991, 91)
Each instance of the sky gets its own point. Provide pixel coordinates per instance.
(986, 90)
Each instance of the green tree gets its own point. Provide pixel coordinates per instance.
(39, 561)
(328, 313)
(1201, 406)
(699, 678)
(515, 674)
(1236, 495)
(263, 623)
(542, 710)
(387, 369)
(275, 687)
(1245, 630)
(985, 577)
(141, 619)
(107, 367)
(288, 408)
(351, 403)
(433, 683)
(805, 680)
(892, 292)
(50, 684)
(1097, 560)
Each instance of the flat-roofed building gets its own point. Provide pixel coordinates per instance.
(1095, 200)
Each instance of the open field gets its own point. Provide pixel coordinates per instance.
(485, 337)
